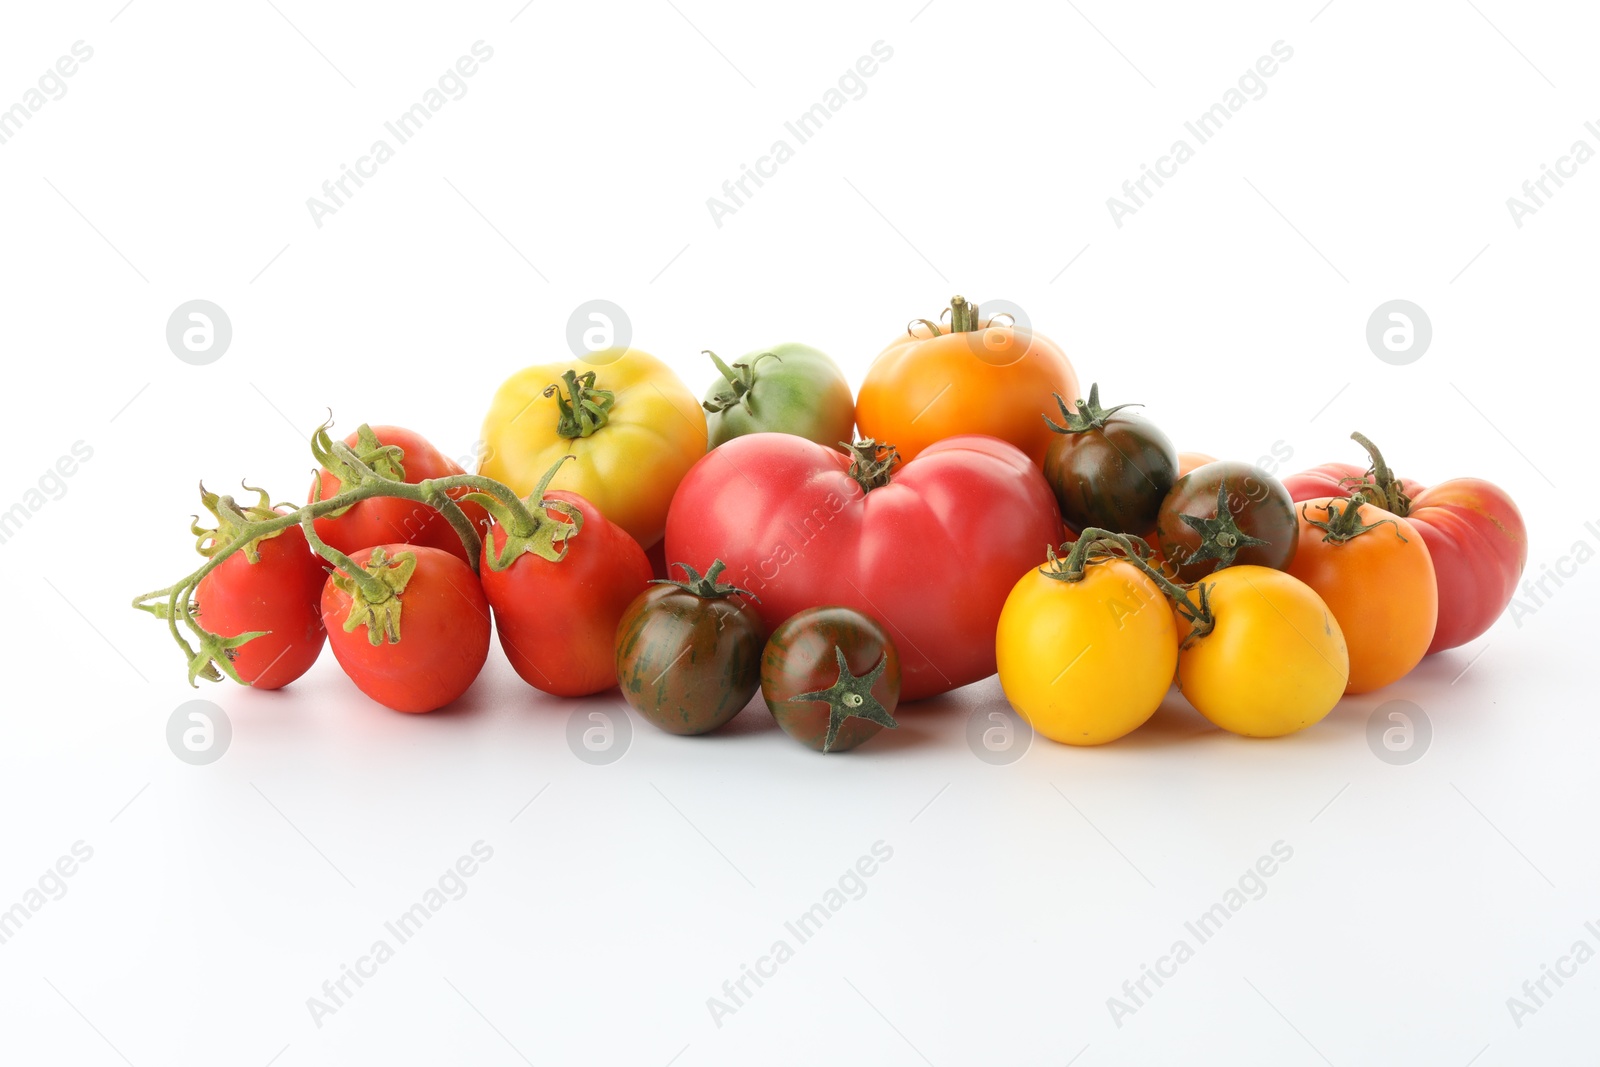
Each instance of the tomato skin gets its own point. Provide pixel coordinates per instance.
(1087, 662)
(1188, 461)
(1475, 535)
(1380, 586)
(996, 381)
(444, 633)
(687, 663)
(799, 658)
(1259, 504)
(389, 520)
(557, 620)
(931, 556)
(1276, 660)
(279, 593)
(1114, 477)
(629, 467)
(797, 390)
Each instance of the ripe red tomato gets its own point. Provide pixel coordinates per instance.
(1473, 530)
(279, 593)
(557, 618)
(388, 520)
(419, 647)
(930, 551)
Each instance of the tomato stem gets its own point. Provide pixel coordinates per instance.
(870, 462)
(741, 379)
(706, 586)
(1345, 524)
(584, 409)
(528, 526)
(1096, 545)
(1380, 485)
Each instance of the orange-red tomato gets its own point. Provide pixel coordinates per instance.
(1375, 574)
(972, 377)
(1188, 461)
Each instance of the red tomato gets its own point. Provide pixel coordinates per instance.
(1473, 530)
(420, 648)
(278, 593)
(931, 551)
(557, 619)
(388, 520)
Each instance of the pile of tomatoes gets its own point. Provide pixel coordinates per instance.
(620, 533)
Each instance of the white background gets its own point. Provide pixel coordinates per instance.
(1019, 897)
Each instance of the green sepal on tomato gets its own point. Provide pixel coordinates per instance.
(789, 388)
(688, 654)
(402, 455)
(831, 678)
(1475, 535)
(271, 588)
(409, 625)
(558, 577)
(1109, 467)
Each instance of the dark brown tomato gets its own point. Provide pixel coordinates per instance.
(1109, 467)
(1226, 513)
(831, 678)
(689, 653)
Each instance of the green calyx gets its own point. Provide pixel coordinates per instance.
(706, 586)
(1220, 537)
(740, 379)
(850, 697)
(528, 526)
(584, 409)
(963, 319)
(1344, 520)
(1088, 416)
(353, 466)
(870, 462)
(232, 521)
(375, 603)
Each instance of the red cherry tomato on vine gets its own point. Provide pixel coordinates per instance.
(277, 592)
(418, 647)
(389, 520)
(557, 617)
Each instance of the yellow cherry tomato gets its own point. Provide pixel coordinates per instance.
(1086, 661)
(634, 428)
(1275, 660)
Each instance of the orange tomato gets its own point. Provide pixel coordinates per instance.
(970, 377)
(1374, 572)
(1188, 461)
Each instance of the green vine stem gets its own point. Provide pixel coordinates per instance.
(362, 476)
(530, 528)
(963, 319)
(741, 378)
(1096, 545)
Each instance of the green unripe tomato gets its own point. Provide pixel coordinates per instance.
(789, 388)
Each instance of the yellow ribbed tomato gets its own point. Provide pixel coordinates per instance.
(1274, 660)
(634, 428)
(1086, 661)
